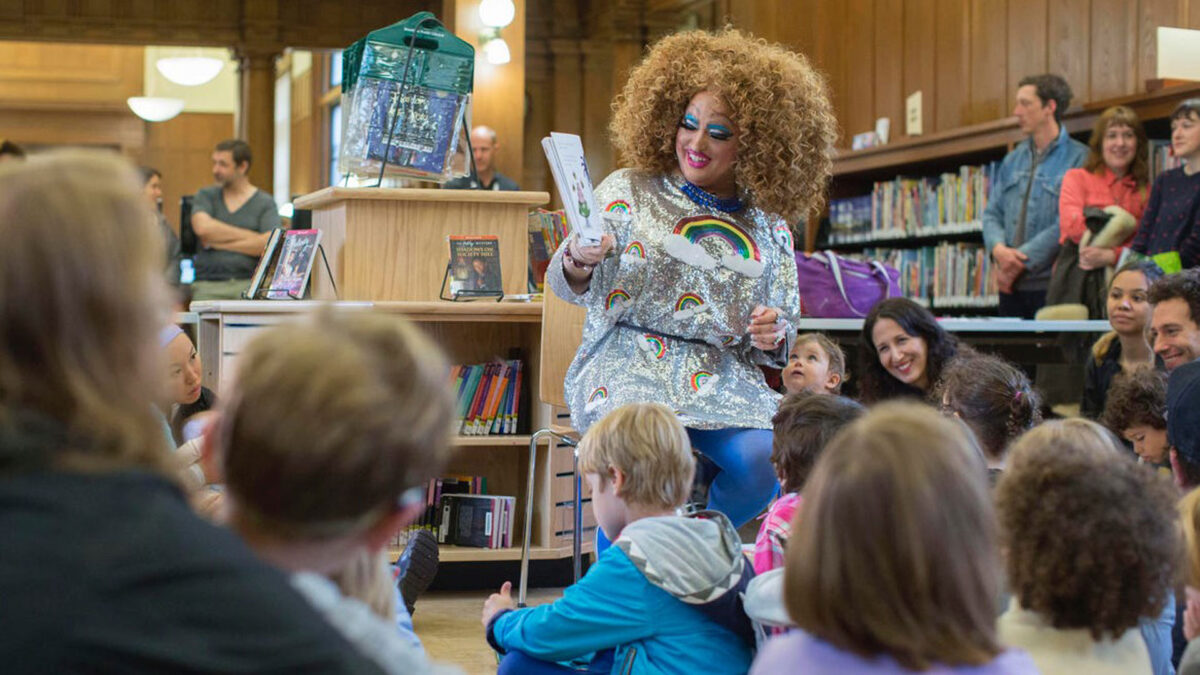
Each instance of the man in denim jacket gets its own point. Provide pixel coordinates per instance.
(1020, 224)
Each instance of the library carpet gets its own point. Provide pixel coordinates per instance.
(448, 624)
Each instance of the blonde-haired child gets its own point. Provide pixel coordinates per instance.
(665, 596)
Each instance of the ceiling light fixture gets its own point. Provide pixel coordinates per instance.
(155, 108)
(189, 71)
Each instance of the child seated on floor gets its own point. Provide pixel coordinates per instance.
(1136, 410)
(334, 427)
(816, 364)
(665, 597)
(804, 424)
(893, 565)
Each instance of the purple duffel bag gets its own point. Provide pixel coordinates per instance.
(832, 287)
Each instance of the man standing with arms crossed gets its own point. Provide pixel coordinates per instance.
(1020, 224)
(233, 220)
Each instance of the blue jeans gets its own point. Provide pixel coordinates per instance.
(519, 663)
(747, 481)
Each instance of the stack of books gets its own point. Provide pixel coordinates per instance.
(489, 396)
(480, 521)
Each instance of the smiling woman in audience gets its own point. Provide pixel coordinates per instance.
(902, 351)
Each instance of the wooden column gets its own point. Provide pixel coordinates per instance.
(256, 112)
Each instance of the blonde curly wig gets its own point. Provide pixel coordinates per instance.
(779, 102)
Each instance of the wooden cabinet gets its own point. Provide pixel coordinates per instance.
(468, 332)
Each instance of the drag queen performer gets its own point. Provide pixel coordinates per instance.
(694, 285)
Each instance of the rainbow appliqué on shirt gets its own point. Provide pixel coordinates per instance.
(634, 253)
(615, 299)
(688, 305)
(653, 346)
(703, 381)
(598, 397)
(618, 210)
(742, 256)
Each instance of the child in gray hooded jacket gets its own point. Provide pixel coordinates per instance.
(665, 598)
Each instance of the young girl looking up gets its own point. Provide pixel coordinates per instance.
(817, 364)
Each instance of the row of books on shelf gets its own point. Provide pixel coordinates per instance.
(460, 513)
(946, 275)
(436, 488)
(489, 397)
(547, 229)
(913, 206)
(479, 521)
(1161, 158)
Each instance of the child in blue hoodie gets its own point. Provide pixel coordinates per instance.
(665, 597)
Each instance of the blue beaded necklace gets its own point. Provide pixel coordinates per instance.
(710, 201)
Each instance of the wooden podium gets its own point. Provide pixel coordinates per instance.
(390, 243)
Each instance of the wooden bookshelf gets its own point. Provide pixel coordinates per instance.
(468, 332)
(995, 137)
(855, 171)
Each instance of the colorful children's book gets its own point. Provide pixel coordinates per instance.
(564, 152)
(295, 264)
(475, 264)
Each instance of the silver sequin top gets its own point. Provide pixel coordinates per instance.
(667, 316)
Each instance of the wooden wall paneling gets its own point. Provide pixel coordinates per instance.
(829, 54)
(539, 112)
(858, 46)
(919, 49)
(951, 64)
(1069, 35)
(305, 166)
(1192, 10)
(597, 97)
(889, 63)
(989, 60)
(1027, 43)
(69, 74)
(1151, 15)
(181, 148)
(1113, 58)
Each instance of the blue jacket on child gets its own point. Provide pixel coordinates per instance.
(666, 596)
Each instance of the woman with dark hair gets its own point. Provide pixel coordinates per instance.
(902, 351)
(1124, 348)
